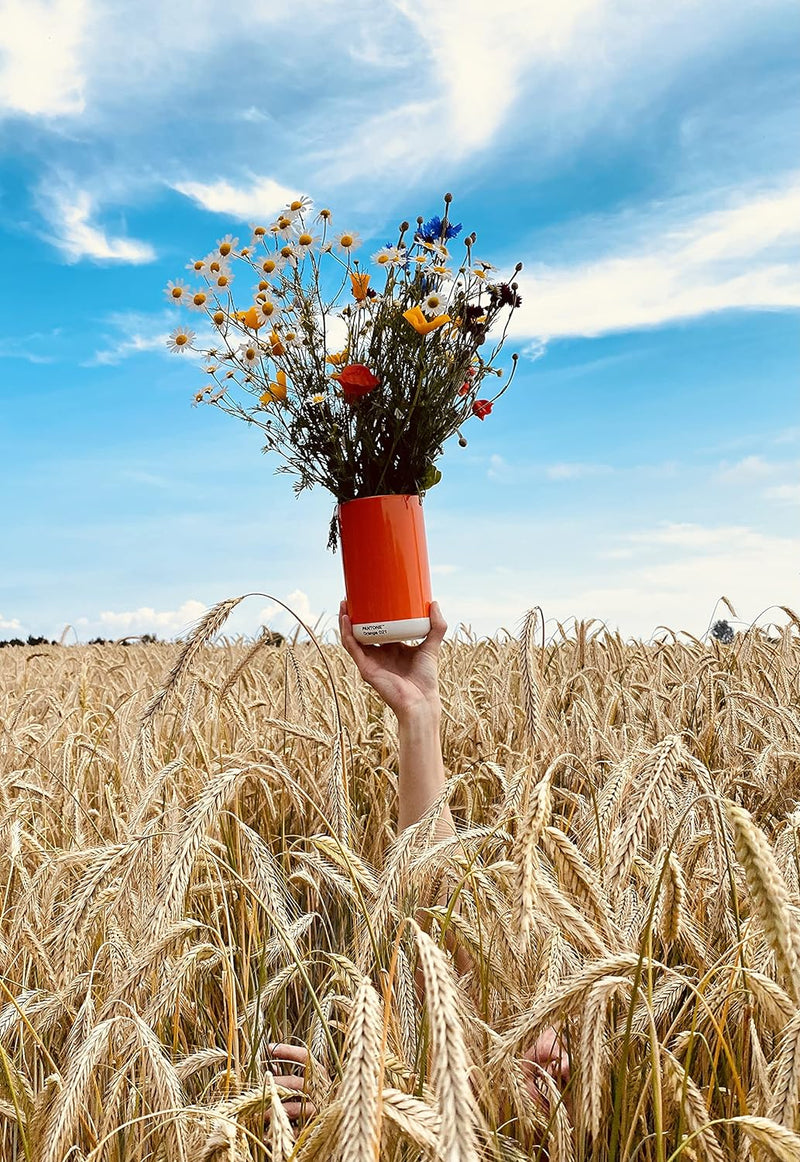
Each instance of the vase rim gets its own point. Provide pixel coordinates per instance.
(382, 496)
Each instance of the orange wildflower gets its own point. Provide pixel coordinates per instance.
(276, 392)
(277, 347)
(250, 318)
(360, 283)
(421, 324)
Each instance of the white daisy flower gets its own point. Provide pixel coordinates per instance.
(319, 398)
(298, 206)
(288, 254)
(199, 300)
(267, 309)
(433, 305)
(483, 265)
(324, 216)
(180, 339)
(259, 233)
(198, 265)
(304, 242)
(220, 283)
(227, 245)
(386, 256)
(215, 264)
(347, 241)
(270, 264)
(250, 354)
(443, 272)
(291, 338)
(282, 227)
(177, 292)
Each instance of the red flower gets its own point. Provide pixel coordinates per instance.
(482, 407)
(356, 380)
(464, 388)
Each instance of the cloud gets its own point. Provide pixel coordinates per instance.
(40, 50)
(138, 333)
(745, 471)
(9, 623)
(69, 213)
(278, 618)
(788, 493)
(148, 620)
(20, 347)
(676, 262)
(260, 198)
(576, 471)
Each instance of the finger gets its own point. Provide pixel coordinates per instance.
(290, 1081)
(354, 648)
(280, 1051)
(296, 1109)
(437, 631)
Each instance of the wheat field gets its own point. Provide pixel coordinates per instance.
(199, 858)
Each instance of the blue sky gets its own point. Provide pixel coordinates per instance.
(642, 164)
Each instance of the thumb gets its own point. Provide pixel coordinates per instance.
(437, 631)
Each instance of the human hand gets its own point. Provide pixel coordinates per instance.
(406, 677)
(282, 1054)
(547, 1054)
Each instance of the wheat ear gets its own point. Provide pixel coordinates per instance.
(768, 892)
(450, 1063)
(360, 1093)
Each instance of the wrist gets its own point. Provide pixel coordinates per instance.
(419, 715)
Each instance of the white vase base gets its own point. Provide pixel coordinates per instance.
(378, 632)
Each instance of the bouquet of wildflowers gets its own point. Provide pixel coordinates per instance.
(357, 386)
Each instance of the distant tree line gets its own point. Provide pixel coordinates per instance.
(146, 638)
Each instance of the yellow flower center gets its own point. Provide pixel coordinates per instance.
(346, 240)
(296, 206)
(286, 252)
(177, 292)
(290, 336)
(218, 317)
(284, 222)
(305, 239)
(181, 340)
(225, 249)
(267, 309)
(268, 265)
(324, 215)
(199, 264)
(223, 280)
(259, 231)
(199, 299)
(250, 353)
(262, 286)
(215, 267)
(382, 259)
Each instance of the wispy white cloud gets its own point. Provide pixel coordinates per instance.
(69, 212)
(576, 471)
(31, 347)
(672, 263)
(255, 199)
(10, 622)
(146, 620)
(786, 493)
(41, 72)
(745, 471)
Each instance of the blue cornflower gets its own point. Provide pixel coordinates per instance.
(431, 231)
(723, 632)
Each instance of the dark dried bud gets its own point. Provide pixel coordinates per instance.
(448, 198)
(404, 226)
(462, 443)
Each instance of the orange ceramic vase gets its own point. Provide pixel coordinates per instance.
(386, 574)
